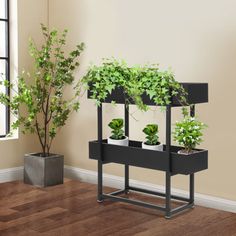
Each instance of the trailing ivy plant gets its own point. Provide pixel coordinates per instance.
(117, 126)
(38, 102)
(135, 81)
(188, 132)
(151, 131)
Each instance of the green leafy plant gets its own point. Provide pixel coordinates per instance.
(151, 131)
(188, 132)
(135, 81)
(117, 126)
(38, 101)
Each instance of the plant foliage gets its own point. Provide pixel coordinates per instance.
(151, 131)
(188, 132)
(117, 128)
(135, 81)
(38, 101)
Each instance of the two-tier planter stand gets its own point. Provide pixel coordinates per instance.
(167, 160)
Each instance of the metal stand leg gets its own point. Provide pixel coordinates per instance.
(126, 108)
(100, 171)
(168, 195)
(100, 185)
(168, 173)
(126, 179)
(191, 189)
(191, 178)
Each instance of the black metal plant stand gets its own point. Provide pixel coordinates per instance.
(168, 160)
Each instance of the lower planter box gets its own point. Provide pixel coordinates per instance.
(134, 155)
(43, 171)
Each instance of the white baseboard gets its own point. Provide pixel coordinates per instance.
(11, 174)
(118, 182)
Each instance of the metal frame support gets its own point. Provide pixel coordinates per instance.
(168, 173)
(166, 209)
(127, 134)
(100, 167)
(191, 177)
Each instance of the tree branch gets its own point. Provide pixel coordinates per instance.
(38, 133)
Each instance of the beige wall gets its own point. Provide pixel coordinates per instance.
(196, 38)
(26, 16)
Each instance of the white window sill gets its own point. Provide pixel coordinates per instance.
(15, 136)
(8, 138)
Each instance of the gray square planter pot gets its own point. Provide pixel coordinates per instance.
(43, 171)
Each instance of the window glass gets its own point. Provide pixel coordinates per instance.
(3, 39)
(2, 107)
(4, 60)
(2, 9)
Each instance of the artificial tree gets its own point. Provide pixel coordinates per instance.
(38, 102)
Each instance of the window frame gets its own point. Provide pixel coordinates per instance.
(6, 58)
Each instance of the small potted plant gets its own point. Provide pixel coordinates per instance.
(152, 139)
(188, 133)
(40, 107)
(117, 137)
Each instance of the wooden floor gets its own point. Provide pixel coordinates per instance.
(71, 209)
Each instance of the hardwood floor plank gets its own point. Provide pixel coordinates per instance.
(184, 224)
(52, 196)
(11, 188)
(40, 205)
(72, 216)
(24, 229)
(29, 218)
(21, 198)
(71, 209)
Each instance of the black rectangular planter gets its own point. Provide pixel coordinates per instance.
(197, 93)
(134, 155)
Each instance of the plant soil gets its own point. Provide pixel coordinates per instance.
(123, 137)
(186, 152)
(152, 144)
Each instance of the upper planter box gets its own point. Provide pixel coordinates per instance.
(197, 93)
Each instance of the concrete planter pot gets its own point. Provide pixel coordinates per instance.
(158, 147)
(120, 142)
(43, 171)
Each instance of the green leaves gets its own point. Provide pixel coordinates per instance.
(151, 130)
(188, 132)
(117, 128)
(40, 94)
(135, 81)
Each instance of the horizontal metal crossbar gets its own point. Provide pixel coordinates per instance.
(117, 192)
(158, 194)
(113, 196)
(182, 208)
(135, 202)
